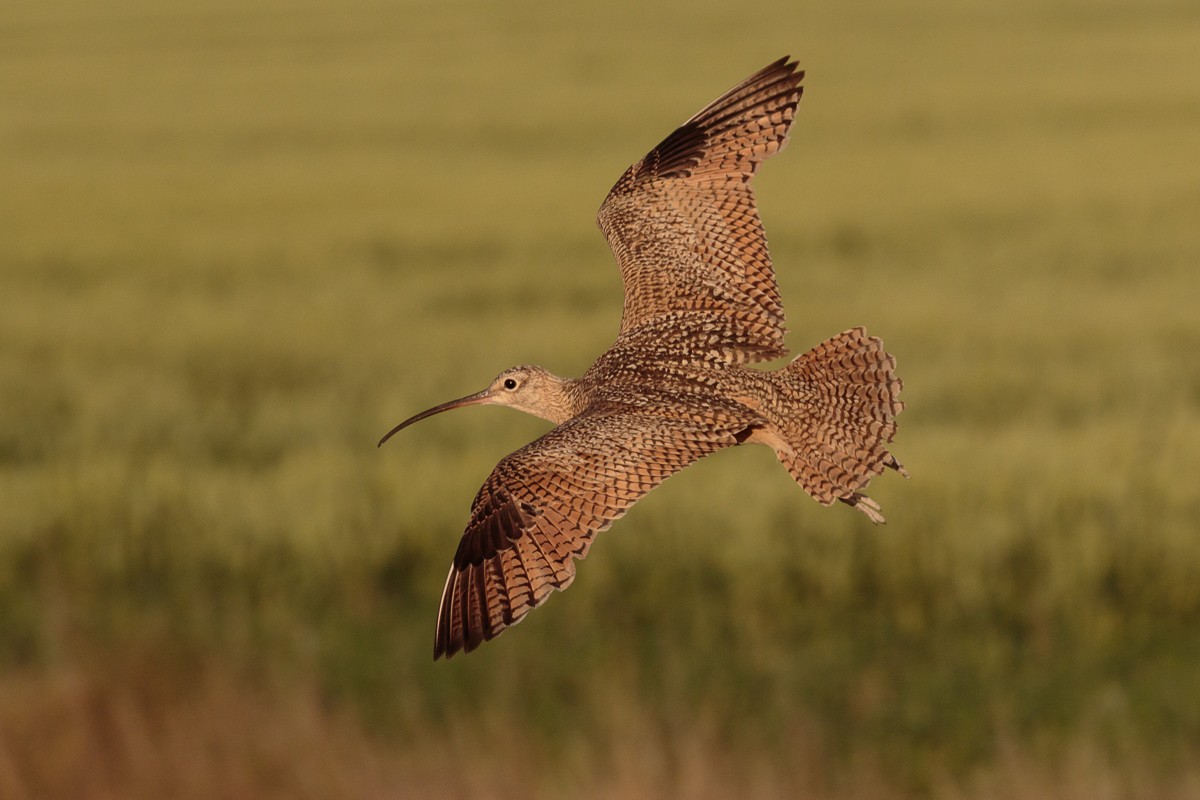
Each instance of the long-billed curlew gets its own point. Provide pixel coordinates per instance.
(700, 303)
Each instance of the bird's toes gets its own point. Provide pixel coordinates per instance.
(866, 505)
(891, 462)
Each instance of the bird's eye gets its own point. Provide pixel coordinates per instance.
(510, 384)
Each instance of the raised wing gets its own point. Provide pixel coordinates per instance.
(685, 230)
(541, 506)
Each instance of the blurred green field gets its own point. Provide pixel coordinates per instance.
(238, 243)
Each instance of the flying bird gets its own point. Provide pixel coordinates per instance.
(701, 303)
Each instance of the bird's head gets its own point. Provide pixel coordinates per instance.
(526, 388)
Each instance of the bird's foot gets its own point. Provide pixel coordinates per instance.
(892, 463)
(866, 505)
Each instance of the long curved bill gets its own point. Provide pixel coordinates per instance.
(469, 400)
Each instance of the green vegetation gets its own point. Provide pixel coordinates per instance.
(238, 244)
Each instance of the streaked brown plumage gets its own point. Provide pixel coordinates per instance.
(701, 301)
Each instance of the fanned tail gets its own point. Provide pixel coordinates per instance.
(846, 394)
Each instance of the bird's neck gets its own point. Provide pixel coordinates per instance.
(559, 400)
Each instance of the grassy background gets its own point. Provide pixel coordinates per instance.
(238, 243)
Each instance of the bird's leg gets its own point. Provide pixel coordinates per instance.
(891, 463)
(865, 505)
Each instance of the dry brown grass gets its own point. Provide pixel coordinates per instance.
(138, 734)
(143, 731)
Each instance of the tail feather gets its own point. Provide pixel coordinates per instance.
(846, 397)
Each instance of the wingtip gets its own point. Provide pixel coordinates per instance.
(443, 646)
(787, 63)
(794, 68)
